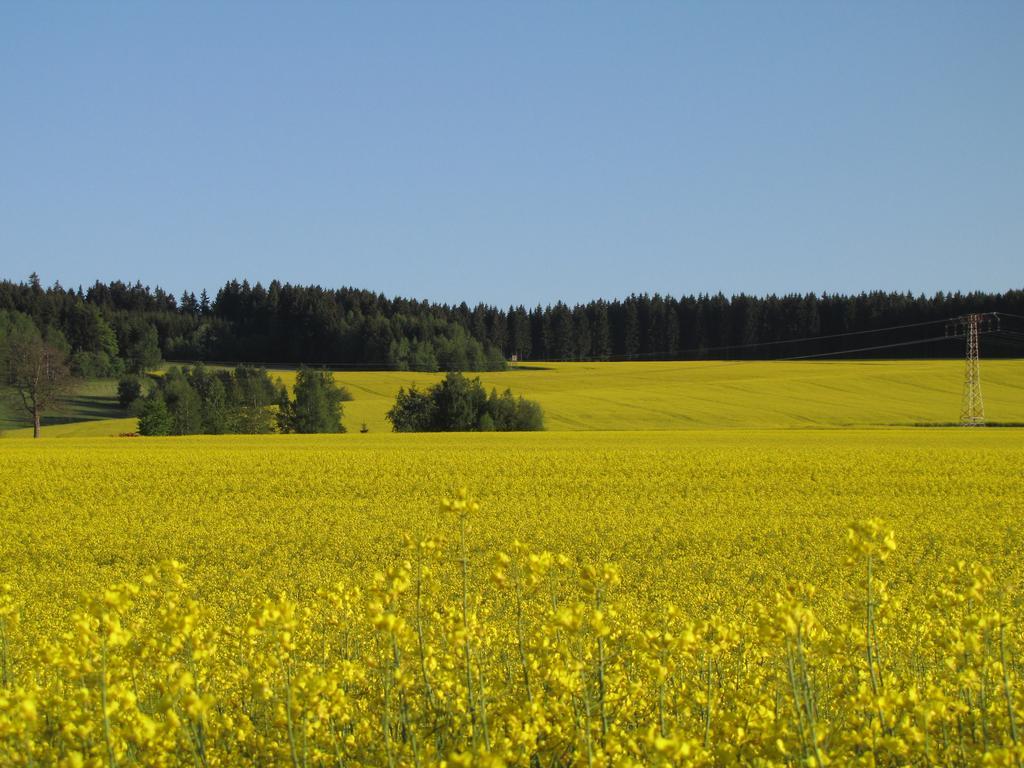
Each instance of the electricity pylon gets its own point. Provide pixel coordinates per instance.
(972, 407)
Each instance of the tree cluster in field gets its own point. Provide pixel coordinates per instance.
(459, 404)
(197, 400)
(118, 325)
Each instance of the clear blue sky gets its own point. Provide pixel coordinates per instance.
(515, 152)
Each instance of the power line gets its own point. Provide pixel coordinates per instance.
(793, 341)
(286, 366)
(869, 349)
(679, 354)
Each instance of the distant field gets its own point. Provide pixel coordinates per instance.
(673, 395)
(681, 395)
(91, 411)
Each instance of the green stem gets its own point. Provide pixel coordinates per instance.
(403, 703)
(111, 758)
(428, 691)
(519, 636)
(3, 654)
(386, 714)
(661, 697)
(482, 698)
(288, 714)
(707, 711)
(808, 699)
(467, 649)
(1008, 692)
(600, 677)
(586, 724)
(798, 708)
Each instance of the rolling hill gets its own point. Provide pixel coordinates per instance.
(673, 395)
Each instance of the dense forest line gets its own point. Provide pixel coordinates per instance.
(128, 326)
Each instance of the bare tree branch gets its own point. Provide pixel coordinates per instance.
(38, 371)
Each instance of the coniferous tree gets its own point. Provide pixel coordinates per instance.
(630, 329)
(140, 344)
(522, 341)
(316, 404)
(601, 338)
(188, 304)
(93, 341)
(129, 389)
(497, 331)
(154, 418)
(537, 336)
(581, 330)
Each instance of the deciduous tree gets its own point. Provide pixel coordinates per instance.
(36, 369)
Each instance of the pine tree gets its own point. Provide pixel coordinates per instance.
(316, 406)
(631, 329)
(154, 418)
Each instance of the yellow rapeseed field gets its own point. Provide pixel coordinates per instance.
(717, 394)
(777, 597)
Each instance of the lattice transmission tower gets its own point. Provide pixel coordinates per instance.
(972, 406)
